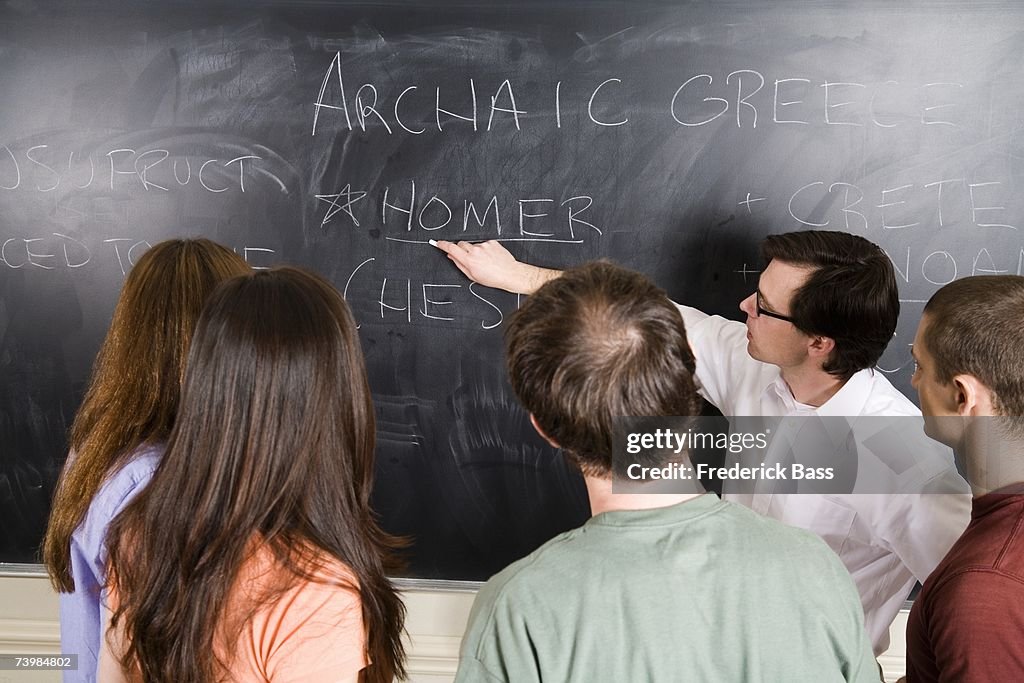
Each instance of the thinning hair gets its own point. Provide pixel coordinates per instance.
(274, 443)
(597, 343)
(974, 328)
(851, 295)
(136, 379)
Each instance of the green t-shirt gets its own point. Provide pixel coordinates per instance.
(701, 591)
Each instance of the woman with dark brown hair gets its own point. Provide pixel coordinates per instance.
(253, 554)
(119, 432)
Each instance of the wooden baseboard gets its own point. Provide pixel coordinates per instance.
(28, 636)
(29, 624)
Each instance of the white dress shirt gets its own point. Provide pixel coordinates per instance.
(887, 540)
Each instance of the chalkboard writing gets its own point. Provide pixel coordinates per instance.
(343, 136)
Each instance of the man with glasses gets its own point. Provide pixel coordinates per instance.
(825, 308)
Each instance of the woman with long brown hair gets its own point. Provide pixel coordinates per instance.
(120, 429)
(253, 554)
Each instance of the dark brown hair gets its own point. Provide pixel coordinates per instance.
(974, 328)
(599, 342)
(136, 380)
(851, 296)
(274, 442)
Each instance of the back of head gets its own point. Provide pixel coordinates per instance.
(136, 381)
(596, 343)
(274, 443)
(275, 391)
(155, 317)
(851, 295)
(974, 328)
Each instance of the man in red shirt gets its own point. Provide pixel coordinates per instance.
(967, 624)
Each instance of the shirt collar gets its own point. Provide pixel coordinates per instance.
(672, 514)
(780, 390)
(848, 401)
(994, 500)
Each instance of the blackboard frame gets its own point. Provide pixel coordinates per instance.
(695, 237)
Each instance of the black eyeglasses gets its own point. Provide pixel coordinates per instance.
(761, 310)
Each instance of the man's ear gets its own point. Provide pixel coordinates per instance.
(540, 431)
(821, 347)
(972, 396)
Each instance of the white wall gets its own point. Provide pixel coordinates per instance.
(29, 624)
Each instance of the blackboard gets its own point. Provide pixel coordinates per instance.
(669, 137)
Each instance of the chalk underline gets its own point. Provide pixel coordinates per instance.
(499, 239)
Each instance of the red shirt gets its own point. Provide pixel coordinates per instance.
(967, 624)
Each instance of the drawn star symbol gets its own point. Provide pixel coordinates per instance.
(349, 196)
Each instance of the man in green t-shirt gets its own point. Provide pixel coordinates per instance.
(676, 586)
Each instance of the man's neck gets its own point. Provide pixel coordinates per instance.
(993, 461)
(811, 386)
(988, 485)
(603, 500)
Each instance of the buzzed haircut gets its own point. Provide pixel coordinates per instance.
(974, 328)
(851, 295)
(599, 342)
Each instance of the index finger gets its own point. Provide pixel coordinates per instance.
(447, 247)
(456, 248)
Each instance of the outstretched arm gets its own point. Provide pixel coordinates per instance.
(491, 265)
